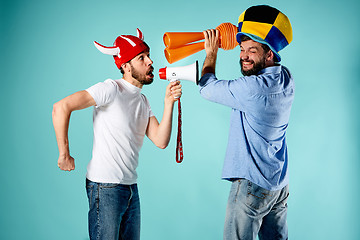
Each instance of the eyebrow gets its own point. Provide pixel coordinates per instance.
(255, 47)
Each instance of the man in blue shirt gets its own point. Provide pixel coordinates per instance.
(256, 159)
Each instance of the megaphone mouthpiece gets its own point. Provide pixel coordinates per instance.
(162, 73)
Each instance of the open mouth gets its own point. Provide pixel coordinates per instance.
(246, 64)
(150, 72)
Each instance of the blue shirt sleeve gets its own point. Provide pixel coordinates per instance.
(232, 93)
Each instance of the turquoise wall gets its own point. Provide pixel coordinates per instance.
(47, 53)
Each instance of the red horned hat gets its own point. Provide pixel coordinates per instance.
(125, 48)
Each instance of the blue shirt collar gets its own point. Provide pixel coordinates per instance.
(272, 69)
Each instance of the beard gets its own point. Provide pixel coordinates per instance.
(142, 78)
(257, 67)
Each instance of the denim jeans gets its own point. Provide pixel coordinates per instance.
(253, 210)
(114, 211)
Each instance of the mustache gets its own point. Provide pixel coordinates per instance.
(151, 69)
(241, 61)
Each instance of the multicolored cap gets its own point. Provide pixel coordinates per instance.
(125, 48)
(267, 25)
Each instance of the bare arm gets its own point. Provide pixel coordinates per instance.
(61, 117)
(159, 133)
(211, 49)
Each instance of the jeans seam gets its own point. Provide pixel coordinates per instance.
(98, 211)
(90, 189)
(131, 194)
(237, 191)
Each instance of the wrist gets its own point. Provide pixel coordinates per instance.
(211, 53)
(64, 150)
(169, 103)
(64, 154)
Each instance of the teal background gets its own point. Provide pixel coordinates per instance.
(47, 53)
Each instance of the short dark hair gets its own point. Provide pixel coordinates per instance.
(244, 38)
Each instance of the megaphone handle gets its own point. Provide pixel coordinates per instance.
(179, 146)
(174, 80)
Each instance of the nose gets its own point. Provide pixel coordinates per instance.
(149, 61)
(244, 55)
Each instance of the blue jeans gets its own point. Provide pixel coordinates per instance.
(253, 210)
(114, 211)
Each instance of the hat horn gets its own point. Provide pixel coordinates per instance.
(140, 34)
(115, 51)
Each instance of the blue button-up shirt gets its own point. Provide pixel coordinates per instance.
(261, 107)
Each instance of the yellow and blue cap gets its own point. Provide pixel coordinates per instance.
(267, 25)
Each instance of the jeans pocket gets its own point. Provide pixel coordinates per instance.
(258, 197)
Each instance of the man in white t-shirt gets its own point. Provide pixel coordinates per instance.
(122, 116)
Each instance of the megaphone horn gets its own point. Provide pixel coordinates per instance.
(189, 73)
(176, 54)
(178, 39)
(178, 43)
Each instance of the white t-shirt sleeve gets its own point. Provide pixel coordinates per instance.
(103, 92)
(151, 114)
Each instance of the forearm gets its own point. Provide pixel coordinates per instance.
(209, 64)
(211, 49)
(163, 132)
(160, 134)
(61, 117)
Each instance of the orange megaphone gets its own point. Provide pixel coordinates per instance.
(180, 44)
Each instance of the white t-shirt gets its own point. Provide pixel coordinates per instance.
(120, 119)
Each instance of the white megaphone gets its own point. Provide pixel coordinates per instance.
(189, 72)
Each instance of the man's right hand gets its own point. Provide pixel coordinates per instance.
(211, 41)
(66, 163)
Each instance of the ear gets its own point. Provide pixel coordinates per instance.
(270, 56)
(126, 67)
